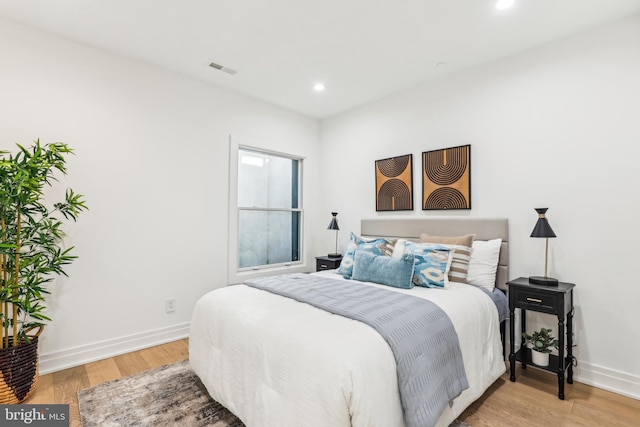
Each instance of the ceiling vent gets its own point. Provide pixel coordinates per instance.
(223, 68)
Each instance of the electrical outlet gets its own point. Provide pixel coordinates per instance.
(170, 305)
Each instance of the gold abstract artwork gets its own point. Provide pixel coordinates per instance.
(394, 183)
(446, 178)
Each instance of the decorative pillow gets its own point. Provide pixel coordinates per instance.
(431, 264)
(461, 247)
(483, 264)
(389, 246)
(375, 246)
(396, 272)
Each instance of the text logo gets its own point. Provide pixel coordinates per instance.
(34, 415)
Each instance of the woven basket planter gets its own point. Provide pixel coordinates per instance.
(18, 372)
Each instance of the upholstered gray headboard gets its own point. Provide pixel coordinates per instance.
(412, 228)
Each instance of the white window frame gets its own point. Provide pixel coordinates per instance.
(234, 273)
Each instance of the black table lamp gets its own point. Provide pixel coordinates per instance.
(543, 229)
(333, 225)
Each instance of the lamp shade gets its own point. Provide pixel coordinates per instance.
(333, 225)
(542, 227)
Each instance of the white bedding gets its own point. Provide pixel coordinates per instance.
(274, 361)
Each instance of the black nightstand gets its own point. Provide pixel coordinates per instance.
(327, 263)
(556, 300)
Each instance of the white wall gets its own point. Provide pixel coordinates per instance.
(553, 127)
(152, 159)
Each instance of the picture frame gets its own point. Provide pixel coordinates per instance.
(446, 178)
(394, 183)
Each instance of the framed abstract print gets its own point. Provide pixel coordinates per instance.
(394, 183)
(446, 178)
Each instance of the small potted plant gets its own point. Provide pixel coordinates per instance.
(541, 342)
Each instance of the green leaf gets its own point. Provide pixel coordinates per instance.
(31, 239)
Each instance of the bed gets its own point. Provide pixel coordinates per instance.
(275, 361)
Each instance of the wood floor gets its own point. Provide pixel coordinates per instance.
(530, 401)
(63, 386)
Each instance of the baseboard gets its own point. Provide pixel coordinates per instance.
(608, 379)
(59, 360)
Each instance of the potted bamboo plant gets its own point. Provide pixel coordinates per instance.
(541, 342)
(32, 254)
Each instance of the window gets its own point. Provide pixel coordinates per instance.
(265, 211)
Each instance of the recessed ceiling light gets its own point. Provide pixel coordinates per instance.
(504, 4)
(319, 87)
(223, 68)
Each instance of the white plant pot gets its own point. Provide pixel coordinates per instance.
(540, 359)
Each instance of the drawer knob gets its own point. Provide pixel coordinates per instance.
(323, 265)
(534, 300)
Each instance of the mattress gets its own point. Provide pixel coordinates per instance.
(274, 361)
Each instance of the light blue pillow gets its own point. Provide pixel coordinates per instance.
(396, 272)
(431, 264)
(375, 246)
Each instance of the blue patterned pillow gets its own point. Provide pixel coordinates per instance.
(375, 246)
(431, 265)
(396, 272)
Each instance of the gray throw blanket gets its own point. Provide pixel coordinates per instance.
(423, 340)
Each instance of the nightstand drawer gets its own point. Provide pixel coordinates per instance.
(536, 300)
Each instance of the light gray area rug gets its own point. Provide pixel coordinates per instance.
(167, 396)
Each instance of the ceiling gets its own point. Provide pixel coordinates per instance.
(362, 50)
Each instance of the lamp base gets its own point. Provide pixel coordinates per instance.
(544, 281)
(334, 255)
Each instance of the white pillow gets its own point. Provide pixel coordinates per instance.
(483, 264)
(398, 249)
